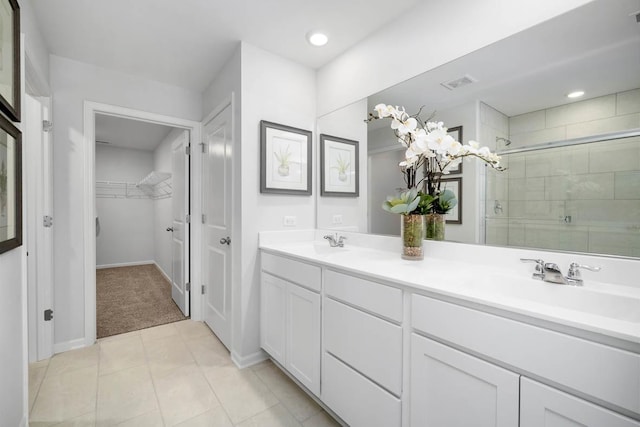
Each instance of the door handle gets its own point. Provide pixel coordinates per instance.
(225, 241)
(170, 229)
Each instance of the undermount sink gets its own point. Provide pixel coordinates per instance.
(323, 248)
(582, 299)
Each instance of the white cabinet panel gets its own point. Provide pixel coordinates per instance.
(453, 389)
(273, 316)
(300, 273)
(371, 296)
(543, 406)
(358, 401)
(367, 343)
(303, 336)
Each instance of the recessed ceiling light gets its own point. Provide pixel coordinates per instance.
(317, 39)
(576, 94)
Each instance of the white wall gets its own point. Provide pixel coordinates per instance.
(126, 224)
(36, 52)
(433, 33)
(162, 207)
(346, 123)
(72, 83)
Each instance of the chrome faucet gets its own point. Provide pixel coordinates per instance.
(550, 272)
(335, 240)
(573, 275)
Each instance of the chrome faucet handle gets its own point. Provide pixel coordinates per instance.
(573, 275)
(539, 269)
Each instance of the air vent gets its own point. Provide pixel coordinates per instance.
(458, 83)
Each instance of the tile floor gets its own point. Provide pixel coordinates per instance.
(171, 375)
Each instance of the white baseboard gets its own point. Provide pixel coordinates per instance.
(164, 273)
(69, 345)
(24, 422)
(250, 360)
(124, 264)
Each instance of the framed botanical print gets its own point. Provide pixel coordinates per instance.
(285, 159)
(456, 133)
(10, 59)
(10, 186)
(339, 168)
(454, 216)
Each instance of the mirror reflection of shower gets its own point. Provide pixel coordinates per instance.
(505, 141)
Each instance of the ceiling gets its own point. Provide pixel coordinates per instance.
(127, 133)
(595, 48)
(185, 43)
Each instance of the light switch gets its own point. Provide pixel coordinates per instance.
(336, 220)
(289, 221)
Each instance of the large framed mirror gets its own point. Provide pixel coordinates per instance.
(573, 164)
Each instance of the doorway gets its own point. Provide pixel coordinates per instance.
(141, 204)
(149, 188)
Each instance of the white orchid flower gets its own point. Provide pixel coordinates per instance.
(439, 140)
(384, 110)
(404, 126)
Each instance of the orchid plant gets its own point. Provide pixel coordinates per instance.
(428, 145)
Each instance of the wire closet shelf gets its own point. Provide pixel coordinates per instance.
(156, 185)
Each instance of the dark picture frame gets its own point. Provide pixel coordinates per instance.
(285, 159)
(10, 59)
(454, 216)
(456, 133)
(10, 186)
(339, 167)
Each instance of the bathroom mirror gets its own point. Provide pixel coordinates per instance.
(563, 189)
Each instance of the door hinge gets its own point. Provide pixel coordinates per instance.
(47, 125)
(188, 219)
(204, 219)
(48, 315)
(47, 221)
(188, 286)
(187, 150)
(203, 146)
(202, 290)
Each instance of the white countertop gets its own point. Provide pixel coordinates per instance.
(610, 310)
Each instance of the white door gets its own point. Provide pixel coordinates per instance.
(543, 406)
(39, 203)
(216, 200)
(180, 225)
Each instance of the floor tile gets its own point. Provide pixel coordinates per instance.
(321, 419)
(40, 363)
(212, 357)
(157, 332)
(243, 395)
(150, 419)
(216, 417)
(72, 360)
(276, 416)
(183, 394)
(190, 329)
(164, 355)
(62, 397)
(121, 354)
(36, 375)
(119, 337)
(261, 365)
(124, 395)
(86, 420)
(288, 393)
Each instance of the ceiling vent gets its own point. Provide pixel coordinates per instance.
(458, 83)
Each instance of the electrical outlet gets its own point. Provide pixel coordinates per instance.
(289, 221)
(336, 220)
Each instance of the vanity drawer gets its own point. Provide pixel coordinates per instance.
(606, 373)
(355, 399)
(383, 300)
(300, 273)
(369, 344)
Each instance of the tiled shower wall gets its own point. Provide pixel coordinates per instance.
(582, 198)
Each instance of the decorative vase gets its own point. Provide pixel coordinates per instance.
(283, 170)
(412, 237)
(435, 226)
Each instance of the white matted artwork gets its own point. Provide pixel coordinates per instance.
(10, 186)
(454, 216)
(285, 159)
(338, 167)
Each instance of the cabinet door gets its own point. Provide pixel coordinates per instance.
(303, 336)
(543, 406)
(453, 389)
(273, 316)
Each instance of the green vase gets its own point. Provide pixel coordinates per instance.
(412, 237)
(435, 226)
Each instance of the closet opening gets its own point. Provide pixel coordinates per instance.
(142, 208)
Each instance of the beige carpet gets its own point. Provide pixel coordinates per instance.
(132, 298)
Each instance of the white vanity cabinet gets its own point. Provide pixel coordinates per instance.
(453, 389)
(362, 358)
(544, 406)
(290, 317)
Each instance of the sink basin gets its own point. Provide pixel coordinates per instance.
(620, 307)
(323, 248)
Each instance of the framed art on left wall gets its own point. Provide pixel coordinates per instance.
(10, 186)
(10, 59)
